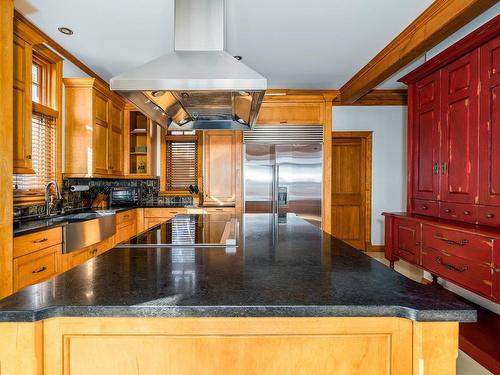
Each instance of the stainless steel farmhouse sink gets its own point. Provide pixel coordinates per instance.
(86, 229)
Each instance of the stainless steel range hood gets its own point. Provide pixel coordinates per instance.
(198, 86)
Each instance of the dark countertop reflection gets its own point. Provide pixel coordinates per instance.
(277, 269)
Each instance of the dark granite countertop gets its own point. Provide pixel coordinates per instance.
(277, 270)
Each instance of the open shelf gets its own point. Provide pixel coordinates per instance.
(139, 137)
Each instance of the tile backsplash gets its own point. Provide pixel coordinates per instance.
(149, 192)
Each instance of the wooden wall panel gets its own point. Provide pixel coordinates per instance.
(6, 165)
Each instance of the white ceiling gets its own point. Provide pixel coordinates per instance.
(294, 43)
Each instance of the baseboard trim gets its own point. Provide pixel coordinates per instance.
(375, 248)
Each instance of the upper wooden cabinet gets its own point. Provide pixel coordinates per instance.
(291, 113)
(222, 158)
(94, 130)
(22, 106)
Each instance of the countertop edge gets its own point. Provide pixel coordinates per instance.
(346, 311)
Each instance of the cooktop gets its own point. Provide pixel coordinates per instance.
(215, 230)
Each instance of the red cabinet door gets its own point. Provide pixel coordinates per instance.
(459, 142)
(425, 137)
(407, 240)
(489, 124)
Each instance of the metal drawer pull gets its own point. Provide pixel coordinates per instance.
(466, 212)
(424, 207)
(41, 269)
(41, 240)
(451, 242)
(495, 270)
(447, 210)
(443, 168)
(436, 168)
(450, 267)
(490, 215)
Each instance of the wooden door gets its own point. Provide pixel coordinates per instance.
(351, 188)
(101, 134)
(459, 143)
(425, 138)
(116, 138)
(221, 166)
(489, 126)
(22, 106)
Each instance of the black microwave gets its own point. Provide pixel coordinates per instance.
(124, 196)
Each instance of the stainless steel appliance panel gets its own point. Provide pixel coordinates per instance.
(299, 180)
(286, 178)
(259, 178)
(80, 234)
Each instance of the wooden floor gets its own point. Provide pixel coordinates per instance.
(465, 364)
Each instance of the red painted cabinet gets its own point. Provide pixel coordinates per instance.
(459, 130)
(454, 132)
(452, 228)
(407, 240)
(489, 127)
(426, 140)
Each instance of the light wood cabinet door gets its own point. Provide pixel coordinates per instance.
(291, 114)
(100, 150)
(221, 166)
(36, 267)
(116, 136)
(101, 134)
(22, 106)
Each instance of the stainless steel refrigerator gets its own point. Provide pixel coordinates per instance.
(284, 178)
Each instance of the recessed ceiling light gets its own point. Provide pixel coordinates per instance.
(65, 30)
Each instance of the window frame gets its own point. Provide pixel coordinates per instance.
(50, 104)
(165, 137)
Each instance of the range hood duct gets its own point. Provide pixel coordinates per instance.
(197, 86)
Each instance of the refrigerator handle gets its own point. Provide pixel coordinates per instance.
(276, 188)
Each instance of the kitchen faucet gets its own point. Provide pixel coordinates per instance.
(49, 199)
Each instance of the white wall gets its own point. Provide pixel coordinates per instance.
(388, 124)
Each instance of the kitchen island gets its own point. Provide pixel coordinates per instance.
(286, 299)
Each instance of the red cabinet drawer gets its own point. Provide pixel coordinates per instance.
(462, 244)
(407, 240)
(472, 275)
(489, 216)
(425, 207)
(457, 211)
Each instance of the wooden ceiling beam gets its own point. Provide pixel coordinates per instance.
(441, 19)
(379, 97)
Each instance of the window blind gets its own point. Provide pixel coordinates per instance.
(182, 165)
(43, 156)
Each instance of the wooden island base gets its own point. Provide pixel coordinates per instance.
(79, 346)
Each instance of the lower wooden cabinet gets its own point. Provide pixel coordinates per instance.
(37, 266)
(187, 345)
(155, 216)
(126, 225)
(37, 257)
(464, 254)
(78, 257)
